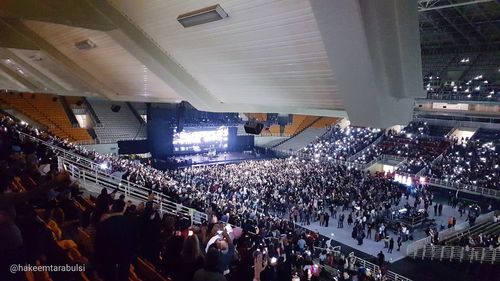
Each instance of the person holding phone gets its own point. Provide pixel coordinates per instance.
(227, 250)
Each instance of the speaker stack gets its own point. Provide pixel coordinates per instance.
(115, 108)
(253, 127)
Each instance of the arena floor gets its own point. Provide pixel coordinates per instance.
(343, 235)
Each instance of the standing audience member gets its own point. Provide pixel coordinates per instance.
(116, 244)
(210, 270)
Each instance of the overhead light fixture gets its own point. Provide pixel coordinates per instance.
(201, 16)
(85, 45)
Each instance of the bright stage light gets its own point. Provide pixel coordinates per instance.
(201, 139)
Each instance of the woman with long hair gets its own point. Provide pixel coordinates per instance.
(190, 261)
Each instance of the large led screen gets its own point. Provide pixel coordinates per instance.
(198, 140)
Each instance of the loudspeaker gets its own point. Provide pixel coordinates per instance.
(54, 99)
(79, 103)
(253, 128)
(115, 108)
(181, 111)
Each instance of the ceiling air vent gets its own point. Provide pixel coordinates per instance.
(201, 16)
(85, 45)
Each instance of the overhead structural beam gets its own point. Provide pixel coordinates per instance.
(9, 83)
(47, 82)
(385, 57)
(457, 29)
(55, 54)
(19, 78)
(469, 22)
(484, 48)
(423, 8)
(142, 47)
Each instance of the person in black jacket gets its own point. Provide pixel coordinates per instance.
(115, 244)
(391, 245)
(150, 230)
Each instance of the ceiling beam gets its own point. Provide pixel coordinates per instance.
(469, 22)
(47, 82)
(63, 60)
(461, 49)
(457, 29)
(422, 8)
(9, 83)
(67, 12)
(20, 79)
(135, 40)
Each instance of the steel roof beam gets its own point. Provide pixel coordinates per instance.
(423, 8)
(47, 82)
(19, 78)
(469, 22)
(58, 56)
(457, 29)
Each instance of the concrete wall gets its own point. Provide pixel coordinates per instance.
(108, 148)
(267, 141)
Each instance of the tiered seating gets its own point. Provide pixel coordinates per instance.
(342, 143)
(479, 235)
(325, 122)
(486, 135)
(122, 125)
(59, 247)
(48, 111)
(476, 162)
(418, 150)
(432, 65)
(261, 117)
(439, 131)
(487, 66)
(479, 82)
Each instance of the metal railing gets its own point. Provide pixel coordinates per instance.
(373, 144)
(465, 187)
(390, 276)
(458, 253)
(413, 248)
(437, 120)
(488, 192)
(88, 176)
(91, 172)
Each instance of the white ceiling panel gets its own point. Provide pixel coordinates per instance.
(50, 68)
(265, 52)
(8, 82)
(109, 63)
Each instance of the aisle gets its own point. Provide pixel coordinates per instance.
(343, 235)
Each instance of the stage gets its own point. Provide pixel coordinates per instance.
(217, 159)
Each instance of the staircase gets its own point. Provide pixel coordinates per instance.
(304, 135)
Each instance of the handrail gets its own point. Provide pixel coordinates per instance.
(90, 170)
(65, 153)
(438, 182)
(373, 144)
(79, 171)
(392, 276)
(459, 253)
(412, 248)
